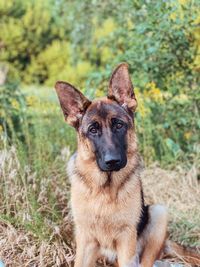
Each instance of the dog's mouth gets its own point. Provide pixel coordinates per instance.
(116, 169)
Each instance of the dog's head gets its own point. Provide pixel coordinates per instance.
(102, 123)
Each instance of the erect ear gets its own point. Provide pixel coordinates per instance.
(121, 88)
(73, 103)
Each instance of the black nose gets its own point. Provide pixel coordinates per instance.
(111, 160)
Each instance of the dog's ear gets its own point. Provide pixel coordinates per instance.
(121, 88)
(72, 101)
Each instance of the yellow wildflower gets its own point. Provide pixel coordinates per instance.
(187, 135)
(142, 107)
(173, 16)
(106, 54)
(153, 92)
(183, 2)
(15, 104)
(1, 129)
(105, 29)
(99, 92)
(31, 100)
(83, 68)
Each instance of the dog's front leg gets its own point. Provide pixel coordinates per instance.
(126, 250)
(153, 236)
(86, 252)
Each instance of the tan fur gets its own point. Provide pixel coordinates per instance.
(188, 255)
(152, 239)
(106, 216)
(107, 206)
(103, 214)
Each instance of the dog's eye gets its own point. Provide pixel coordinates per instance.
(93, 129)
(119, 125)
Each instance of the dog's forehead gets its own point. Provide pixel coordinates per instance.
(102, 109)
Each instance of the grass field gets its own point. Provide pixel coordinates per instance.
(38, 231)
(36, 226)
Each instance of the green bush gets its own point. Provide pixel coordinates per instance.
(12, 107)
(81, 42)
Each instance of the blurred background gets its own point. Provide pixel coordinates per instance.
(81, 42)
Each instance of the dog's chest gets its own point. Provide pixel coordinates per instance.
(102, 217)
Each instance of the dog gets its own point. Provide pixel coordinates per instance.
(107, 201)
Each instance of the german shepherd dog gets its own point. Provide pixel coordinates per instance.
(107, 202)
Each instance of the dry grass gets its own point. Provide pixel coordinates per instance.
(21, 248)
(179, 190)
(35, 221)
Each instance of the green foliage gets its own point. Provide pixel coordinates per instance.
(168, 126)
(33, 122)
(12, 105)
(27, 28)
(81, 42)
(160, 44)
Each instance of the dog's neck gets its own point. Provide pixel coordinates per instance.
(89, 172)
(109, 184)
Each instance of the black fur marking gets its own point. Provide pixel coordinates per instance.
(109, 180)
(108, 140)
(144, 218)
